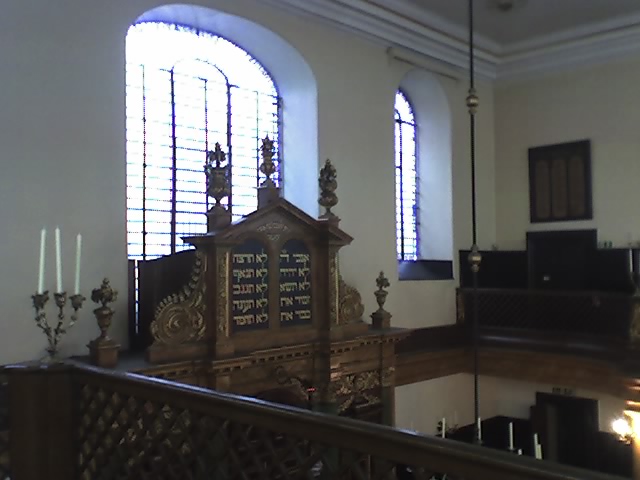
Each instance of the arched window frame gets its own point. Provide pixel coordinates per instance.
(407, 179)
(197, 197)
(434, 162)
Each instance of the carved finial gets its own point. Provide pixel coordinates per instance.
(104, 350)
(218, 184)
(218, 187)
(268, 167)
(328, 185)
(268, 192)
(381, 318)
(105, 294)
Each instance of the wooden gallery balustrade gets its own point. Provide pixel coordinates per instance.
(70, 421)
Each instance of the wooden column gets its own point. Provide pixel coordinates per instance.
(325, 401)
(41, 422)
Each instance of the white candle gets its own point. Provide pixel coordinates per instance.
(76, 289)
(43, 238)
(510, 435)
(58, 262)
(444, 427)
(538, 451)
(479, 425)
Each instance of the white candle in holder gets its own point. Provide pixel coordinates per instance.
(511, 436)
(58, 262)
(43, 238)
(76, 289)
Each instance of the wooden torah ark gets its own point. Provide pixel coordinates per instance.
(270, 280)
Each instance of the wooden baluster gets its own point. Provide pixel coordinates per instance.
(41, 422)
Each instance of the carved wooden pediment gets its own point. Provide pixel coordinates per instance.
(281, 218)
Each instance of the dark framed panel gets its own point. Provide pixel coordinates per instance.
(560, 182)
(561, 259)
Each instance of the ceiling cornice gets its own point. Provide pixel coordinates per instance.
(392, 29)
(395, 23)
(590, 50)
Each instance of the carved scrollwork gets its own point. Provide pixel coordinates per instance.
(273, 227)
(388, 375)
(334, 295)
(350, 303)
(222, 314)
(359, 388)
(179, 318)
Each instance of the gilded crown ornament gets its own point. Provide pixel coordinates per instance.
(268, 192)
(381, 318)
(218, 184)
(328, 184)
(268, 167)
(217, 170)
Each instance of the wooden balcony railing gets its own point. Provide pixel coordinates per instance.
(603, 315)
(75, 422)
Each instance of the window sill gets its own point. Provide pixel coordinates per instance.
(425, 270)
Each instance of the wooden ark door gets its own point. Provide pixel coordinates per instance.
(568, 427)
(561, 260)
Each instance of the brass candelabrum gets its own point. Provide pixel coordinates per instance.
(55, 334)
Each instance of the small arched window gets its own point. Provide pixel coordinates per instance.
(406, 180)
(187, 90)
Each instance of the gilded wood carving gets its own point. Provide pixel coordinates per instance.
(179, 318)
(222, 315)
(333, 287)
(361, 388)
(351, 308)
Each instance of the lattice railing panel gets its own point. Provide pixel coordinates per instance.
(5, 467)
(576, 313)
(125, 437)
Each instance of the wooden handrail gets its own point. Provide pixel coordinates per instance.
(458, 460)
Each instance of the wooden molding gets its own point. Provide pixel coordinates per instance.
(598, 375)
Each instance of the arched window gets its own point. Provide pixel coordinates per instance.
(406, 180)
(187, 90)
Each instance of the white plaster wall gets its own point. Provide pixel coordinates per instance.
(595, 103)
(436, 300)
(63, 145)
(420, 406)
(512, 398)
